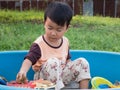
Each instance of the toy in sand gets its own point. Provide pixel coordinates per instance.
(33, 84)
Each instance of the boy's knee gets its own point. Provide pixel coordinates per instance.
(52, 61)
(83, 61)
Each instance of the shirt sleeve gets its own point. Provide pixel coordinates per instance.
(34, 53)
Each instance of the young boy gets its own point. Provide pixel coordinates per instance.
(49, 54)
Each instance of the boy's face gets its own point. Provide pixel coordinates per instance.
(53, 32)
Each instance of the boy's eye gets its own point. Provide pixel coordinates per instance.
(50, 28)
(59, 30)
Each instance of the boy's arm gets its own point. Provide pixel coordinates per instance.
(26, 65)
(21, 76)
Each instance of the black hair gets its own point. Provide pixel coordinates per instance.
(59, 12)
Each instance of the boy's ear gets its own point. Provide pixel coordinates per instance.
(44, 22)
(68, 27)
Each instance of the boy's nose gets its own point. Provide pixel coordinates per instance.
(53, 33)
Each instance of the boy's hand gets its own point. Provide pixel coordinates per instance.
(21, 78)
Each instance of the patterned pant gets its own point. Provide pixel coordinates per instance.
(76, 70)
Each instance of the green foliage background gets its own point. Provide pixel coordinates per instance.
(19, 29)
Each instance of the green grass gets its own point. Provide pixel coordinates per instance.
(18, 36)
(10, 16)
(19, 29)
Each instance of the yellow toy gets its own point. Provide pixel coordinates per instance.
(102, 83)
